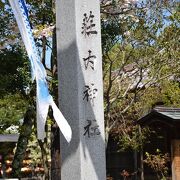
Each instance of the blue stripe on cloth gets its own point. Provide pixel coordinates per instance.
(25, 8)
(36, 57)
(43, 93)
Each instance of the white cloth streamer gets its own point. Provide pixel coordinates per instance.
(44, 99)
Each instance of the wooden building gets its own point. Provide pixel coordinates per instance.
(165, 124)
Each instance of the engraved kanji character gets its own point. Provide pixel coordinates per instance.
(90, 93)
(89, 61)
(87, 128)
(88, 25)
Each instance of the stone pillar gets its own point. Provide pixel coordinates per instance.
(81, 88)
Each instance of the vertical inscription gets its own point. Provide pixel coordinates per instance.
(89, 61)
(88, 25)
(90, 93)
(91, 129)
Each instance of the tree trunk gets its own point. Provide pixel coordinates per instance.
(135, 165)
(55, 153)
(25, 133)
(106, 138)
(43, 146)
(142, 165)
(141, 157)
(45, 152)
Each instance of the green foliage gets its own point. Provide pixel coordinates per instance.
(12, 109)
(140, 63)
(9, 33)
(158, 163)
(14, 72)
(41, 11)
(14, 79)
(171, 93)
(133, 140)
(35, 151)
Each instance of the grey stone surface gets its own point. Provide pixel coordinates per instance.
(81, 89)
